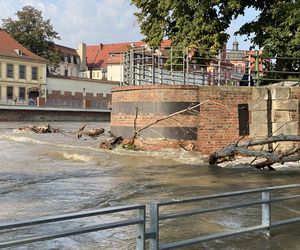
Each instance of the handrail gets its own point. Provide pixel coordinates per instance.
(227, 194)
(265, 201)
(140, 221)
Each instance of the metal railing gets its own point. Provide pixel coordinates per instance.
(156, 216)
(266, 224)
(139, 220)
(180, 66)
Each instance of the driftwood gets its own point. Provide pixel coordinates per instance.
(94, 132)
(46, 128)
(43, 129)
(263, 158)
(111, 144)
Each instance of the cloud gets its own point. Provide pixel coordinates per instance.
(91, 21)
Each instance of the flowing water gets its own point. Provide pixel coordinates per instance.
(49, 174)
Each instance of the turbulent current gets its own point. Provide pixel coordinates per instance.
(50, 174)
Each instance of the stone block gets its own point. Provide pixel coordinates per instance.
(290, 128)
(258, 130)
(280, 93)
(281, 116)
(258, 105)
(285, 105)
(259, 117)
(260, 93)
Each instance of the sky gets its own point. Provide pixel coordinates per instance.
(96, 21)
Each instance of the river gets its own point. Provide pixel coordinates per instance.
(49, 174)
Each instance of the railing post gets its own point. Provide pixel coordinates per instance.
(140, 230)
(266, 211)
(154, 227)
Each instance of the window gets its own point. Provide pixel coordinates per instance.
(69, 58)
(22, 71)
(34, 73)
(243, 115)
(10, 71)
(9, 92)
(75, 60)
(22, 93)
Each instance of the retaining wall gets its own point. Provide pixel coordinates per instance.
(36, 114)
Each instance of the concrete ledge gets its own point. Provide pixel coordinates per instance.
(16, 107)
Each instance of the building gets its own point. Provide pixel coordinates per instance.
(22, 73)
(73, 62)
(243, 64)
(105, 61)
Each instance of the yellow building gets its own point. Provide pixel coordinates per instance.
(22, 73)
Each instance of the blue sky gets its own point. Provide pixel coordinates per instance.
(96, 21)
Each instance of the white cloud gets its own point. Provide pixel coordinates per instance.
(91, 21)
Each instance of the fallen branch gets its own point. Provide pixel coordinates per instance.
(245, 148)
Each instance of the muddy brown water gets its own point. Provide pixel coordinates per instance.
(49, 174)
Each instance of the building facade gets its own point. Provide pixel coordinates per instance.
(72, 64)
(22, 73)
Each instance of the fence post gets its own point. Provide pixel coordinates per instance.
(266, 211)
(154, 227)
(140, 230)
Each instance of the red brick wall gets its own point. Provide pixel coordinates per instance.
(219, 125)
(99, 98)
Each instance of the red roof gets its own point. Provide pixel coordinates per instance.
(10, 47)
(99, 55)
(66, 50)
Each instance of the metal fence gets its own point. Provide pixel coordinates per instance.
(156, 215)
(179, 65)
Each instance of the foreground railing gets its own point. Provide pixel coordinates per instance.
(157, 216)
(139, 220)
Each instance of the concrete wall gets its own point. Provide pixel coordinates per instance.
(74, 85)
(35, 114)
(272, 110)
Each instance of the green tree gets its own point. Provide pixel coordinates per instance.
(203, 23)
(194, 23)
(34, 33)
(277, 31)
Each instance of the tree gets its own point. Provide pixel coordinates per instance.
(203, 23)
(34, 33)
(277, 31)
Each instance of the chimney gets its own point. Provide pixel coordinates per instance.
(82, 54)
